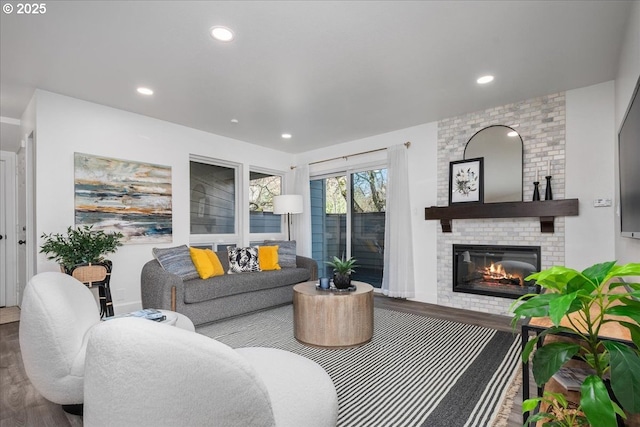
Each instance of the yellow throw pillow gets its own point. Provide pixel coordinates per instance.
(202, 262)
(268, 258)
(218, 270)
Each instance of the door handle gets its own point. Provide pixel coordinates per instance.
(22, 242)
(1, 237)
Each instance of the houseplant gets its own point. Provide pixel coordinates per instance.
(342, 269)
(583, 299)
(80, 245)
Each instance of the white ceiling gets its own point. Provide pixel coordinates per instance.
(327, 72)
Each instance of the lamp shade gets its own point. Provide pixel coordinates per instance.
(287, 204)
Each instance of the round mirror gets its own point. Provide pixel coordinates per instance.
(501, 147)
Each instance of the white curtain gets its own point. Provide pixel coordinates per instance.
(398, 279)
(301, 229)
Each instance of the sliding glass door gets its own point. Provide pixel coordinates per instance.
(347, 219)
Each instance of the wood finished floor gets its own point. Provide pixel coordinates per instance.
(22, 405)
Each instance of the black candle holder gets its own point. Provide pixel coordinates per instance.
(536, 192)
(548, 195)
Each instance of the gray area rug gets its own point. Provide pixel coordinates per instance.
(416, 371)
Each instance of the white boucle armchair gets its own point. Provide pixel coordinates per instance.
(56, 313)
(140, 373)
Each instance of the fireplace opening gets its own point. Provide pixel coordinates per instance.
(495, 270)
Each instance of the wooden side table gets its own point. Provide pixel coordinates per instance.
(333, 319)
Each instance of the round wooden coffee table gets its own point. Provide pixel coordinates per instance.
(333, 319)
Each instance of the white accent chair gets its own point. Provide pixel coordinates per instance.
(57, 312)
(148, 374)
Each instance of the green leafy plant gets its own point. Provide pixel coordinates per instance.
(343, 266)
(559, 412)
(584, 299)
(80, 245)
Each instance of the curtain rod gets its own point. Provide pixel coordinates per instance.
(406, 144)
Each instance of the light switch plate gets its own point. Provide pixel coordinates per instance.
(600, 203)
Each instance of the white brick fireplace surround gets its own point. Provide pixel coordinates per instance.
(541, 124)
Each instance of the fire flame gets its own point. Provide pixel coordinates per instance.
(497, 272)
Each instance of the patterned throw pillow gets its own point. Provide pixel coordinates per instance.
(176, 260)
(242, 260)
(286, 252)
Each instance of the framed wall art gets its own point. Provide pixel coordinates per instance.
(466, 181)
(121, 195)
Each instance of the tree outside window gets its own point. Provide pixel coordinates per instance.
(262, 188)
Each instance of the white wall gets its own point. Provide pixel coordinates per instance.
(67, 125)
(422, 182)
(627, 249)
(590, 137)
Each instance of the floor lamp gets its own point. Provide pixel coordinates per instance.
(287, 204)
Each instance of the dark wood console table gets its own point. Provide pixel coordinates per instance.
(547, 210)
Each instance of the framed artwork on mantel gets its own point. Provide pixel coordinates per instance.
(466, 181)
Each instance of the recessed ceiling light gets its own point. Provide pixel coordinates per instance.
(512, 134)
(234, 121)
(286, 135)
(222, 34)
(145, 91)
(484, 80)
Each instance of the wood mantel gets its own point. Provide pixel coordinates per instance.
(547, 210)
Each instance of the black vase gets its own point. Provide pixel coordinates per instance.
(548, 194)
(341, 281)
(536, 191)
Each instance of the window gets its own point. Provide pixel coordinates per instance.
(368, 206)
(262, 188)
(213, 198)
(348, 219)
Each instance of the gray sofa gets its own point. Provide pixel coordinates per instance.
(220, 297)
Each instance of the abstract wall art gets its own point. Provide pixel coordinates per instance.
(121, 195)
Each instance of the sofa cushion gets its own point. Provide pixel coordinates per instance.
(176, 260)
(243, 260)
(268, 257)
(286, 252)
(202, 263)
(206, 262)
(230, 284)
(218, 269)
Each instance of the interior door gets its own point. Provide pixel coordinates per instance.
(3, 235)
(7, 229)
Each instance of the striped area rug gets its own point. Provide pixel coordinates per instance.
(416, 371)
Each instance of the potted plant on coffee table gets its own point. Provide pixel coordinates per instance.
(579, 304)
(342, 269)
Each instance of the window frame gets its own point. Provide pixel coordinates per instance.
(217, 238)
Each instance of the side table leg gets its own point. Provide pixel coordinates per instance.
(103, 301)
(106, 303)
(108, 300)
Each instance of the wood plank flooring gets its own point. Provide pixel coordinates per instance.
(22, 405)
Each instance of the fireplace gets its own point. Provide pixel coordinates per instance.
(495, 270)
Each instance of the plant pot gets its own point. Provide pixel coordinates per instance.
(341, 281)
